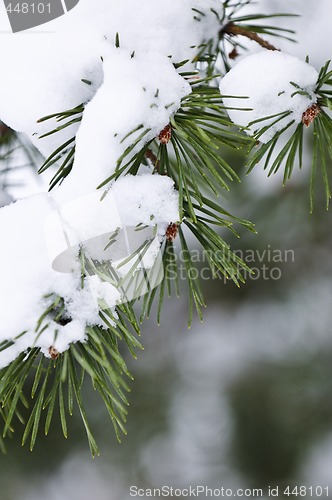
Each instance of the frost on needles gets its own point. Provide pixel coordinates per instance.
(132, 107)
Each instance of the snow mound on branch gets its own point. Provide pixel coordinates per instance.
(147, 199)
(130, 94)
(139, 95)
(44, 71)
(41, 75)
(29, 284)
(26, 276)
(265, 79)
(174, 28)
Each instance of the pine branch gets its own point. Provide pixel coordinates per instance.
(99, 358)
(234, 26)
(291, 153)
(190, 150)
(65, 153)
(13, 143)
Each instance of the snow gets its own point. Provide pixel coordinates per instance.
(25, 274)
(160, 207)
(28, 276)
(171, 29)
(143, 91)
(44, 70)
(265, 79)
(70, 333)
(44, 76)
(129, 93)
(145, 200)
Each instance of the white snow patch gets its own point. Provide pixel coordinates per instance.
(171, 29)
(42, 75)
(265, 79)
(142, 91)
(27, 278)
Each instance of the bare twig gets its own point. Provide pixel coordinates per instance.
(235, 30)
(149, 154)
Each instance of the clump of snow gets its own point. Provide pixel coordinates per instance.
(141, 200)
(68, 334)
(266, 78)
(140, 90)
(147, 199)
(27, 276)
(130, 94)
(175, 28)
(42, 75)
(44, 71)
(102, 291)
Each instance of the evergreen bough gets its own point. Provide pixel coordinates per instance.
(191, 151)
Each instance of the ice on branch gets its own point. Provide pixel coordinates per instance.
(274, 84)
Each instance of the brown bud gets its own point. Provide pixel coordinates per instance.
(309, 115)
(172, 232)
(53, 352)
(233, 54)
(165, 135)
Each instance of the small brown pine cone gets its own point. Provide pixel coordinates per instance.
(233, 54)
(172, 232)
(165, 135)
(309, 115)
(3, 129)
(53, 352)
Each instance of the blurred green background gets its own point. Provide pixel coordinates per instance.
(243, 400)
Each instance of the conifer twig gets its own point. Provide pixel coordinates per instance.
(149, 154)
(235, 30)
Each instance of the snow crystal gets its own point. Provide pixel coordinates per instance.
(266, 78)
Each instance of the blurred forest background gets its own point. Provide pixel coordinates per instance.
(241, 400)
